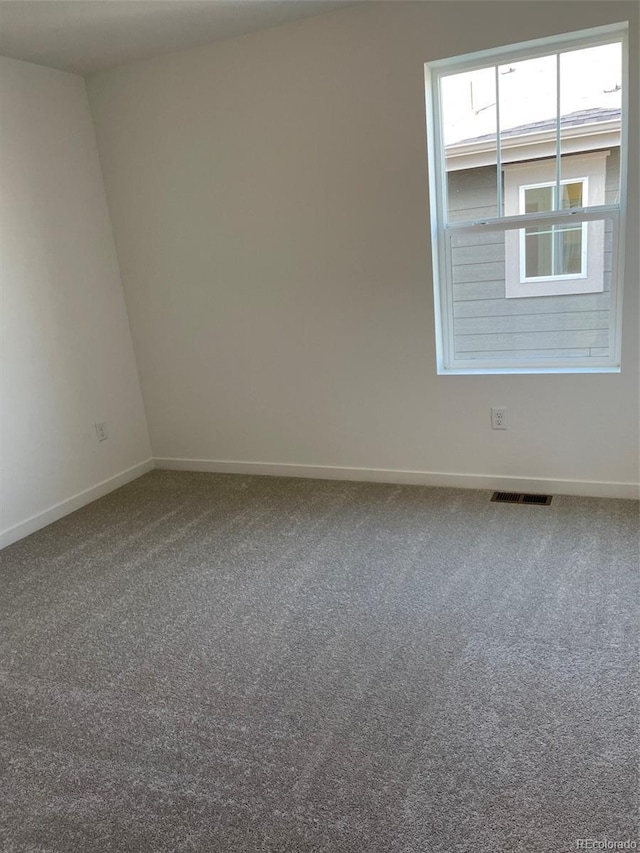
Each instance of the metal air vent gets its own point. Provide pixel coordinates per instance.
(520, 498)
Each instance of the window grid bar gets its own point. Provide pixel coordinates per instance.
(498, 144)
(557, 186)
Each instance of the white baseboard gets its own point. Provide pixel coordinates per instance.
(583, 488)
(42, 519)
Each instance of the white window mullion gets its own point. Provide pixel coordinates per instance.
(499, 207)
(558, 139)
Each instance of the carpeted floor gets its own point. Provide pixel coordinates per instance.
(221, 663)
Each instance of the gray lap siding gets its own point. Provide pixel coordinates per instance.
(486, 324)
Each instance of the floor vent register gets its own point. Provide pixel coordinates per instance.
(520, 498)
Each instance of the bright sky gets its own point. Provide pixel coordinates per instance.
(589, 78)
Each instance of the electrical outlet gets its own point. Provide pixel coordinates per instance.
(101, 431)
(498, 417)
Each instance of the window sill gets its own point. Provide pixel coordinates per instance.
(510, 371)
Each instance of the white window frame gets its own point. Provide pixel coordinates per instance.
(442, 230)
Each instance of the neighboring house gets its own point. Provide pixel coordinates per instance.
(557, 280)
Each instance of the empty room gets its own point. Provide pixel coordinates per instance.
(319, 426)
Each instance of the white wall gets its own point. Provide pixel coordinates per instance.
(269, 200)
(67, 356)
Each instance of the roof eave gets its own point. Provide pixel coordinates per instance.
(532, 146)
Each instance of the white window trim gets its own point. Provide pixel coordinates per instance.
(590, 169)
(446, 362)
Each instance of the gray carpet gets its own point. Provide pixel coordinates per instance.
(221, 663)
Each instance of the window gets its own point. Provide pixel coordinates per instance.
(527, 168)
(552, 252)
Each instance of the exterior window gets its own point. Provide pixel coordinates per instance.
(527, 169)
(553, 251)
(552, 260)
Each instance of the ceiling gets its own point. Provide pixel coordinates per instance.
(83, 36)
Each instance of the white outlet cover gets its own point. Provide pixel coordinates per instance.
(498, 417)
